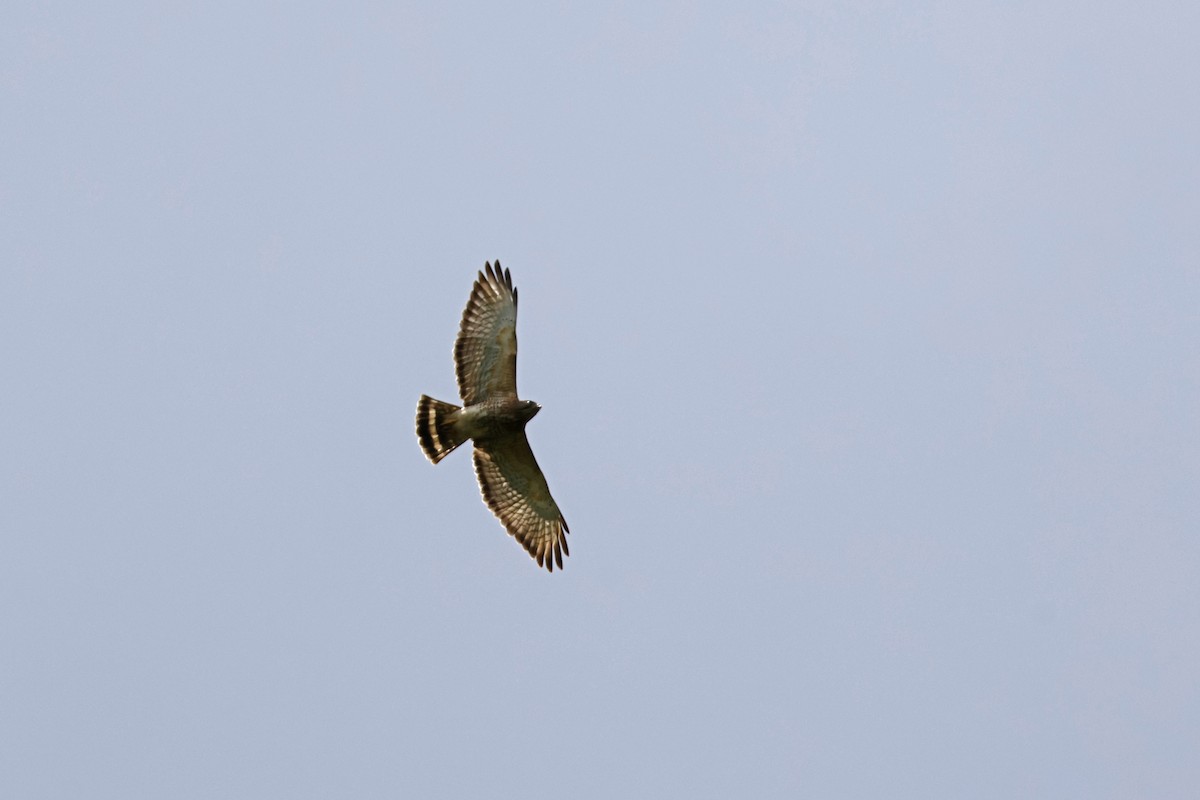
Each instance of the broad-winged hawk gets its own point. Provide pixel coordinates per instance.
(485, 360)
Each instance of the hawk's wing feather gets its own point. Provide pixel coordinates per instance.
(515, 489)
(485, 353)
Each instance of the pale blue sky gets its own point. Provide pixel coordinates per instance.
(868, 340)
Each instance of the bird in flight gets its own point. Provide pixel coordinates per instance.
(485, 361)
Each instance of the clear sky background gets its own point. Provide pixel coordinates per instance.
(868, 341)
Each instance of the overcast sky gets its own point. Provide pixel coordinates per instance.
(868, 345)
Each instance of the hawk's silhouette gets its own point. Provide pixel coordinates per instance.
(485, 359)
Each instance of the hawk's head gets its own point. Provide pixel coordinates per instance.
(527, 410)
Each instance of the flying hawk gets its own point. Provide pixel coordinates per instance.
(485, 360)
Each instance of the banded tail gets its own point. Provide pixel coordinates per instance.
(436, 429)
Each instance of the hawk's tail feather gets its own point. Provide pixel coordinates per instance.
(436, 429)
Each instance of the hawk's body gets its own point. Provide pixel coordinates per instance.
(485, 361)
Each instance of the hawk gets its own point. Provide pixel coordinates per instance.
(485, 361)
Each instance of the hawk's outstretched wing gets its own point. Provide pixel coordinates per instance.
(515, 490)
(485, 353)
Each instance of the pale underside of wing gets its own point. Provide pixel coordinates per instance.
(515, 489)
(485, 353)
